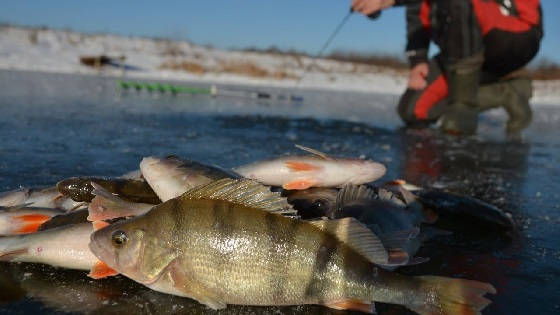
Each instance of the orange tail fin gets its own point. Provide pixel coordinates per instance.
(30, 223)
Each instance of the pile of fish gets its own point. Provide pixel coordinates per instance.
(296, 229)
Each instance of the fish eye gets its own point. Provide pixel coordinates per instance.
(320, 204)
(119, 238)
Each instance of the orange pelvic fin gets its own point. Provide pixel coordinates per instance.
(300, 166)
(298, 184)
(353, 305)
(397, 257)
(30, 222)
(98, 225)
(101, 270)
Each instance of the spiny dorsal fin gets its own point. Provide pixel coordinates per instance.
(388, 195)
(357, 236)
(350, 193)
(313, 151)
(407, 195)
(245, 192)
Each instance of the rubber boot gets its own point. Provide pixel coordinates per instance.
(461, 114)
(517, 106)
(513, 95)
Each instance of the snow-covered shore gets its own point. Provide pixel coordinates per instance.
(31, 49)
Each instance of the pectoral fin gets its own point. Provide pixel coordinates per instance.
(184, 283)
(298, 184)
(157, 258)
(300, 166)
(29, 223)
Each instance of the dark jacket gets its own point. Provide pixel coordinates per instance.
(422, 21)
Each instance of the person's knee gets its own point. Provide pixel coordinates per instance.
(407, 109)
(406, 106)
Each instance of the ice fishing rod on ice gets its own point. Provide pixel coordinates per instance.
(212, 90)
(339, 27)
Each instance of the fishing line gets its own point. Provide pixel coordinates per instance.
(339, 27)
(325, 45)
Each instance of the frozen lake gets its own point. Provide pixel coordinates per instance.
(56, 126)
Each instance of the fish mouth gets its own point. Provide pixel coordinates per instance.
(98, 246)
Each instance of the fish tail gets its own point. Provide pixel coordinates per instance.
(451, 296)
(107, 206)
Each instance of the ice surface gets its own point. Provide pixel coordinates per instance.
(54, 126)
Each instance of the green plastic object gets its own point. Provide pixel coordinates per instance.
(162, 88)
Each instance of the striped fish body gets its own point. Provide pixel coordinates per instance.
(242, 255)
(254, 257)
(205, 246)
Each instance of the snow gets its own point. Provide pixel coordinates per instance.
(45, 50)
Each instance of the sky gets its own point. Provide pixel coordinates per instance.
(303, 25)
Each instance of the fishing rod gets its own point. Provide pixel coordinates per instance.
(339, 27)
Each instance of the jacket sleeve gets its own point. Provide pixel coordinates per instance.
(418, 32)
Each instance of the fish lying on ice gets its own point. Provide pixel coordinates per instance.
(170, 177)
(24, 219)
(225, 243)
(80, 189)
(318, 170)
(396, 221)
(67, 218)
(65, 246)
(472, 213)
(43, 198)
